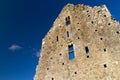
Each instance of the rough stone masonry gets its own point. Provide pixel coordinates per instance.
(83, 44)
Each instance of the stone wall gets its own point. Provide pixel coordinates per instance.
(95, 36)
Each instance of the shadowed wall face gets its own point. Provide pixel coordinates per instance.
(83, 44)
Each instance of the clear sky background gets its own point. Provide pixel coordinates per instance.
(23, 24)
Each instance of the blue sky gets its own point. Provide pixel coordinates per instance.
(23, 24)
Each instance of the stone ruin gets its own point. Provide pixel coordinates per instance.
(83, 44)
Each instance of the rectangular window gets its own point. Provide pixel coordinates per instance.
(57, 38)
(68, 20)
(71, 52)
(86, 50)
(68, 34)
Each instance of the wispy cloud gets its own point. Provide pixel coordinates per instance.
(37, 53)
(15, 47)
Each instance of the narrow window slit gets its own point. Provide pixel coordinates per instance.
(101, 38)
(71, 52)
(68, 34)
(87, 50)
(57, 38)
(62, 63)
(52, 78)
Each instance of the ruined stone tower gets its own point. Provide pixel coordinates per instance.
(83, 44)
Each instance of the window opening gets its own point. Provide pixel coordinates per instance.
(104, 50)
(71, 52)
(68, 20)
(87, 56)
(57, 38)
(68, 34)
(105, 65)
(117, 32)
(52, 78)
(62, 63)
(75, 72)
(87, 50)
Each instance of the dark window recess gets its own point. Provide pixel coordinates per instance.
(62, 63)
(104, 15)
(105, 66)
(57, 38)
(92, 22)
(96, 30)
(75, 72)
(117, 32)
(68, 20)
(47, 68)
(52, 78)
(87, 56)
(60, 54)
(68, 34)
(101, 38)
(88, 15)
(87, 50)
(108, 23)
(71, 52)
(104, 50)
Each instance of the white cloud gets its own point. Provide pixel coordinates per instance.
(37, 54)
(15, 47)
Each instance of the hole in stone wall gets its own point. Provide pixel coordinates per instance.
(96, 30)
(75, 72)
(47, 68)
(108, 23)
(62, 63)
(61, 45)
(105, 65)
(78, 29)
(51, 58)
(92, 22)
(86, 49)
(87, 56)
(78, 37)
(57, 38)
(87, 11)
(88, 15)
(117, 32)
(101, 38)
(104, 15)
(104, 50)
(52, 78)
(60, 54)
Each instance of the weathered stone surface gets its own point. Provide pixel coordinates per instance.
(89, 27)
